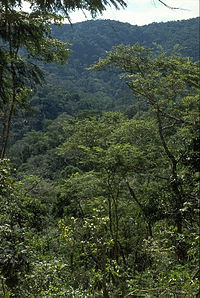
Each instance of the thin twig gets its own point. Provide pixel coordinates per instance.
(171, 7)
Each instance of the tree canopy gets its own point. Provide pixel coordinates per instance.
(101, 204)
(27, 36)
(121, 194)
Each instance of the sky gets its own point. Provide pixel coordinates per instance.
(142, 12)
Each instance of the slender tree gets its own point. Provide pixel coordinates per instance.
(26, 36)
(169, 84)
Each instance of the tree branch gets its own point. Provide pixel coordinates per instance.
(171, 7)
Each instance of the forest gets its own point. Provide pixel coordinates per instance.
(100, 161)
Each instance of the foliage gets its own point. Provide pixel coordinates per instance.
(19, 75)
(165, 83)
(27, 36)
(127, 161)
(20, 217)
(72, 89)
(101, 205)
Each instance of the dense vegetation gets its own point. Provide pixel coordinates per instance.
(98, 199)
(72, 89)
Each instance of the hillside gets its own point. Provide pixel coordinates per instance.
(100, 197)
(92, 38)
(100, 164)
(71, 88)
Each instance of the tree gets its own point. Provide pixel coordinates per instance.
(20, 216)
(31, 32)
(108, 150)
(27, 36)
(118, 210)
(169, 85)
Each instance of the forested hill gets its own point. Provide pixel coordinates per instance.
(90, 39)
(100, 197)
(72, 89)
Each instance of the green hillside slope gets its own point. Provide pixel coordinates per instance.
(73, 89)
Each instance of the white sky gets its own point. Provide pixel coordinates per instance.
(141, 12)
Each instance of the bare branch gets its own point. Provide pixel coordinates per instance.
(171, 7)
